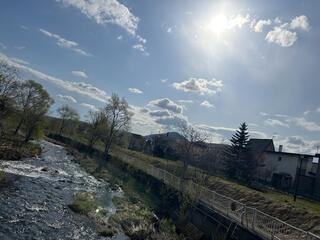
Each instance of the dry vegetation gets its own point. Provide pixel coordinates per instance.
(304, 213)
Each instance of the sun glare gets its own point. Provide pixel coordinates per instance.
(218, 24)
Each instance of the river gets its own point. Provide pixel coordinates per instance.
(34, 205)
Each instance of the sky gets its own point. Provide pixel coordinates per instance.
(211, 64)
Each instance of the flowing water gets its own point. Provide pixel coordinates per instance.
(35, 204)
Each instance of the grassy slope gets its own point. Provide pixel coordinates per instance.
(11, 149)
(304, 213)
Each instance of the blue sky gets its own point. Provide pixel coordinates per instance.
(213, 64)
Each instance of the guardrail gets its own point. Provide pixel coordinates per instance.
(260, 223)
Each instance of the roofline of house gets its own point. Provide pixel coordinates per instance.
(287, 153)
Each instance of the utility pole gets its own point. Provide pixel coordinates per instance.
(298, 179)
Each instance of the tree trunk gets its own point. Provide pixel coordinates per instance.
(28, 135)
(1, 132)
(107, 148)
(91, 142)
(108, 144)
(18, 127)
(61, 127)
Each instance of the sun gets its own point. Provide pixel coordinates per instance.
(218, 24)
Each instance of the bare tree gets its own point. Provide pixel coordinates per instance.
(188, 146)
(118, 116)
(67, 114)
(8, 89)
(97, 126)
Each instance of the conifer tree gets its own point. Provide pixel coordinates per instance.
(237, 156)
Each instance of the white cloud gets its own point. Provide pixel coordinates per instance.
(277, 20)
(67, 98)
(172, 121)
(282, 115)
(258, 27)
(79, 74)
(305, 113)
(24, 27)
(89, 106)
(64, 43)
(160, 113)
(239, 21)
(135, 90)
(106, 11)
(263, 114)
(223, 134)
(20, 47)
(200, 86)
(300, 22)
(282, 36)
(166, 103)
(81, 88)
(169, 30)
(141, 39)
(2, 45)
(207, 104)
(164, 80)
(275, 123)
(119, 37)
(308, 125)
(185, 101)
(297, 144)
(18, 60)
(141, 48)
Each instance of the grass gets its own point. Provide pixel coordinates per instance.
(134, 214)
(84, 203)
(2, 177)
(12, 149)
(301, 203)
(303, 213)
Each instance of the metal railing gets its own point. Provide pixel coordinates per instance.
(260, 223)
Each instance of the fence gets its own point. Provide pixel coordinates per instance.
(262, 224)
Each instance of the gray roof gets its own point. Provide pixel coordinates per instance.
(258, 146)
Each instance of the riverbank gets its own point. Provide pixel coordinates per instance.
(55, 196)
(12, 148)
(35, 203)
(304, 214)
(135, 209)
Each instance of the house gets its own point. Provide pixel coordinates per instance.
(281, 169)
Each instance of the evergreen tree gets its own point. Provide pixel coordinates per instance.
(237, 156)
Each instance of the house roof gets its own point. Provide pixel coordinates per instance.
(287, 153)
(258, 146)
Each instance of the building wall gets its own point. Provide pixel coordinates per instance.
(272, 164)
(278, 162)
